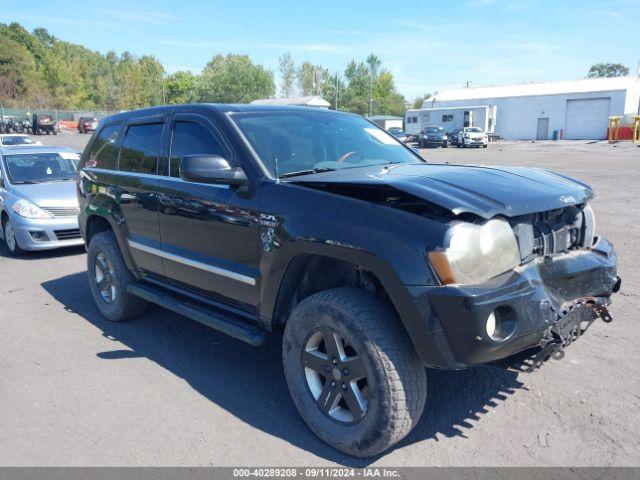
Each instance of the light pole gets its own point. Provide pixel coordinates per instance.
(371, 91)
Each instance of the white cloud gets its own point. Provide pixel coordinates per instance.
(305, 47)
(480, 3)
(142, 16)
(196, 44)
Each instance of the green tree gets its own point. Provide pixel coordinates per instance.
(333, 89)
(311, 78)
(17, 70)
(287, 75)
(419, 101)
(179, 87)
(370, 88)
(151, 76)
(600, 70)
(233, 79)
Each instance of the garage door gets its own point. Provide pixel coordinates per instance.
(587, 119)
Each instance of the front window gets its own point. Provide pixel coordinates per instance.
(41, 167)
(293, 142)
(17, 140)
(434, 130)
(473, 130)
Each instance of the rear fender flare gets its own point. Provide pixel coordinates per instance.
(105, 207)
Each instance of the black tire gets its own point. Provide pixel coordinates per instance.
(12, 246)
(395, 383)
(122, 305)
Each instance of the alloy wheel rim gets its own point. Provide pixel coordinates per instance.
(335, 376)
(10, 236)
(105, 278)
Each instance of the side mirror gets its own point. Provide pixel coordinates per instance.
(211, 169)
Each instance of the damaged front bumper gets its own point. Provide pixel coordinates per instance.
(546, 303)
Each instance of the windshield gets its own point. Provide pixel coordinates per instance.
(473, 130)
(434, 130)
(41, 167)
(17, 140)
(306, 141)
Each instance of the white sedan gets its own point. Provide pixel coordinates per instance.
(16, 139)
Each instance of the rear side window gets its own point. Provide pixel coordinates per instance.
(190, 138)
(104, 153)
(141, 148)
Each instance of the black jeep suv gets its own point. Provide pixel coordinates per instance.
(375, 263)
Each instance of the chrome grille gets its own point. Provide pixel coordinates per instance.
(62, 211)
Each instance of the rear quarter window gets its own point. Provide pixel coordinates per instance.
(104, 151)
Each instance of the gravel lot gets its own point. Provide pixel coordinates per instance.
(76, 389)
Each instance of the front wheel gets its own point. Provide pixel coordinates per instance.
(10, 238)
(352, 371)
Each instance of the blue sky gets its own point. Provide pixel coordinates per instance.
(428, 46)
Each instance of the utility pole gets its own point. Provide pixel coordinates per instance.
(337, 92)
(371, 93)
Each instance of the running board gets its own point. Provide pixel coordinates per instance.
(221, 321)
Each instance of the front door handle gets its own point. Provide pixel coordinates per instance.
(115, 191)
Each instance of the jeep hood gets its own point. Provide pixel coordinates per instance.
(480, 190)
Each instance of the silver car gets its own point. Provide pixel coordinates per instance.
(38, 203)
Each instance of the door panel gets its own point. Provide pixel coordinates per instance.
(135, 187)
(543, 129)
(209, 235)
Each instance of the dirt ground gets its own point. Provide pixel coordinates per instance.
(76, 389)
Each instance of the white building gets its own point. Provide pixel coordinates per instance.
(450, 118)
(533, 111)
(387, 121)
(310, 101)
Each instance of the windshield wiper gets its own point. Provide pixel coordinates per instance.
(306, 172)
(26, 182)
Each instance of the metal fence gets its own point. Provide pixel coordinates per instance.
(68, 115)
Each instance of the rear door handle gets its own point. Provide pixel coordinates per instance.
(115, 191)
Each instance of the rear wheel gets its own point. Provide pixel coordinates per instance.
(352, 371)
(109, 278)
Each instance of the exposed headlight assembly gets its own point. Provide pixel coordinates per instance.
(589, 226)
(26, 209)
(476, 253)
